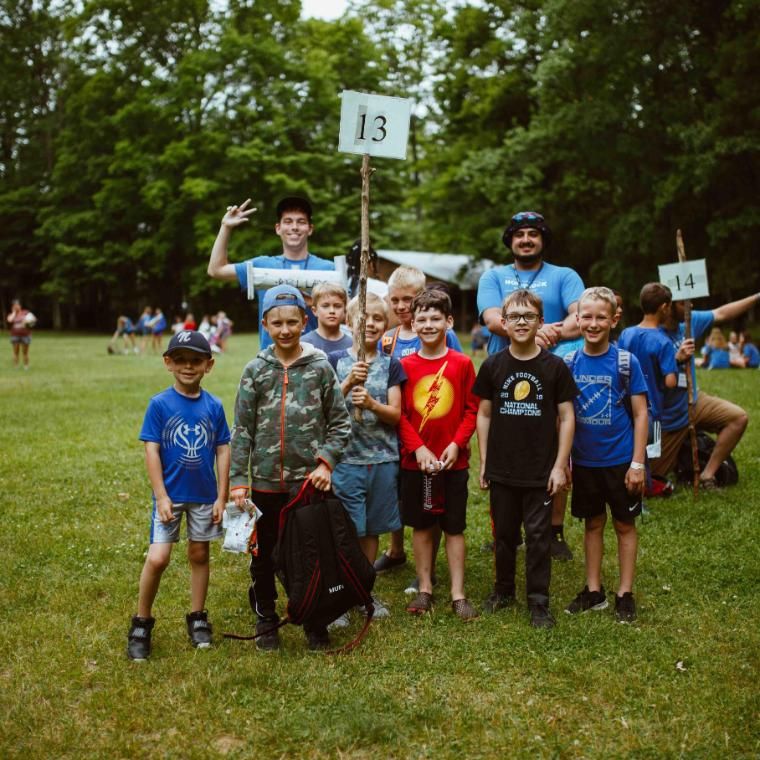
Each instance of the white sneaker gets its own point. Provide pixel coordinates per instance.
(381, 611)
(339, 622)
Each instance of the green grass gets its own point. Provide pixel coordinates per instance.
(682, 681)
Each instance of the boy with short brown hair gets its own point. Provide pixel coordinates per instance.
(524, 391)
(437, 421)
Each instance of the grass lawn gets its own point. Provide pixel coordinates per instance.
(682, 681)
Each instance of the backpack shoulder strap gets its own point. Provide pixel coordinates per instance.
(388, 342)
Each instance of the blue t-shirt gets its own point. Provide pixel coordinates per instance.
(751, 352)
(188, 431)
(158, 324)
(280, 262)
(328, 346)
(372, 441)
(408, 346)
(675, 410)
(558, 287)
(603, 426)
(719, 359)
(657, 359)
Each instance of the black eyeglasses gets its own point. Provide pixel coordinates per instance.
(514, 318)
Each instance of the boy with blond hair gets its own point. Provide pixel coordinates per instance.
(524, 392)
(329, 305)
(366, 479)
(438, 415)
(608, 450)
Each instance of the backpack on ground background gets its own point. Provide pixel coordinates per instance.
(726, 475)
(320, 563)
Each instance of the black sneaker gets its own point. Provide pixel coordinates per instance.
(625, 608)
(385, 562)
(268, 636)
(138, 640)
(588, 600)
(496, 601)
(319, 640)
(199, 629)
(540, 617)
(559, 549)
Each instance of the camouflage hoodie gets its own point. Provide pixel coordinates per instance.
(286, 420)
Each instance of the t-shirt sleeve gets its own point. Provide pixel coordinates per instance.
(567, 390)
(489, 292)
(241, 270)
(638, 381)
(396, 374)
(222, 429)
(452, 341)
(666, 357)
(572, 288)
(701, 322)
(483, 386)
(152, 423)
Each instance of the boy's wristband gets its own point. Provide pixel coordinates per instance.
(637, 466)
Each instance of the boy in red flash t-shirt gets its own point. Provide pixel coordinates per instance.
(438, 415)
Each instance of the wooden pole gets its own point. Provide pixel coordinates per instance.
(366, 173)
(689, 378)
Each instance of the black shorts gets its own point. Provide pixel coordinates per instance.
(454, 518)
(593, 487)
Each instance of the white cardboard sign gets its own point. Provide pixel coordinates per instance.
(686, 279)
(374, 124)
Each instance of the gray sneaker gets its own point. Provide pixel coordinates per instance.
(414, 586)
(381, 611)
(339, 622)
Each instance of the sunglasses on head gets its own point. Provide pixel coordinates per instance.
(527, 216)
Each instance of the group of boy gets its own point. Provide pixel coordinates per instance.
(407, 460)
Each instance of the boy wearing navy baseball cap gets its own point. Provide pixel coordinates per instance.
(185, 434)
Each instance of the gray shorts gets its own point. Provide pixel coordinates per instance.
(199, 524)
(23, 339)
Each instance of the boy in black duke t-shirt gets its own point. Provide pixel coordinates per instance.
(524, 391)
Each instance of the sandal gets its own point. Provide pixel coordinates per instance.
(464, 610)
(421, 604)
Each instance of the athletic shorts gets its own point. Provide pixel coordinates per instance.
(23, 339)
(454, 518)
(594, 487)
(369, 492)
(711, 414)
(199, 524)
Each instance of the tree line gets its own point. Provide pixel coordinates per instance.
(127, 128)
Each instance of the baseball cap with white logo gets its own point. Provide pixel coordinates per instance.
(192, 340)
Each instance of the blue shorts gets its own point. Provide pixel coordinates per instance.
(199, 524)
(369, 492)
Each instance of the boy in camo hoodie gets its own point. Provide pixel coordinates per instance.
(291, 423)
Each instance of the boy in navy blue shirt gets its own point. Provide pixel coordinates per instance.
(185, 434)
(608, 451)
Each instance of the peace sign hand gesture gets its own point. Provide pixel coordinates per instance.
(237, 215)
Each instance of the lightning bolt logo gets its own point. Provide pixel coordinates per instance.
(433, 391)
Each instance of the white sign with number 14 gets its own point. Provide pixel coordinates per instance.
(687, 279)
(374, 124)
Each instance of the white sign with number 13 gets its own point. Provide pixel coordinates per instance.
(374, 124)
(687, 279)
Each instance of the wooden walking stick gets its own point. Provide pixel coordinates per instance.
(689, 378)
(366, 173)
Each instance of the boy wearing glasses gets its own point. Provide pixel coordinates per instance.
(524, 391)
(529, 237)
